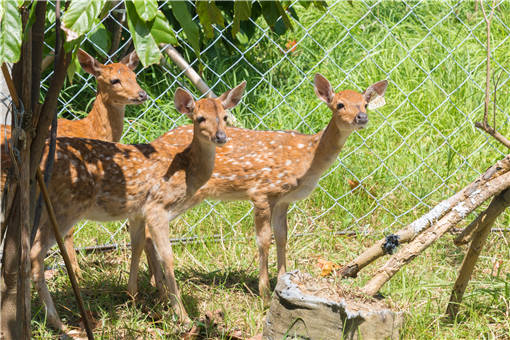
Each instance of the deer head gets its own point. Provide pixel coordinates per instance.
(117, 82)
(209, 115)
(349, 107)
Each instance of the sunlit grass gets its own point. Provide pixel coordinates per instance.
(418, 149)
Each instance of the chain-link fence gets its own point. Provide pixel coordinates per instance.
(421, 147)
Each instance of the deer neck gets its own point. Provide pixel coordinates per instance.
(106, 118)
(201, 162)
(329, 146)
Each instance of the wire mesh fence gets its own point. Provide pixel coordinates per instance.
(421, 147)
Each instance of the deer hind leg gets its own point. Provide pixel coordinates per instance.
(153, 262)
(158, 229)
(279, 222)
(262, 211)
(69, 244)
(137, 235)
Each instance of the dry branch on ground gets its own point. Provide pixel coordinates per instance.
(410, 232)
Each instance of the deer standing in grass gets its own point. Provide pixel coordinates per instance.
(150, 184)
(275, 168)
(116, 88)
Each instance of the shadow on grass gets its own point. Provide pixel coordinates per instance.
(245, 281)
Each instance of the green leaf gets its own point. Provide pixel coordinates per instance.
(2, 11)
(145, 44)
(161, 30)
(284, 16)
(80, 16)
(269, 12)
(146, 9)
(209, 14)
(320, 4)
(50, 15)
(242, 11)
(101, 39)
(10, 32)
(181, 13)
(74, 65)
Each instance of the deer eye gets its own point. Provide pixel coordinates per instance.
(339, 106)
(115, 81)
(366, 105)
(225, 118)
(200, 119)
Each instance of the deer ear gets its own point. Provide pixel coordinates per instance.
(88, 63)
(131, 60)
(184, 102)
(374, 94)
(232, 97)
(323, 88)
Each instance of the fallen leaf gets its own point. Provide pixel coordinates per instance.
(353, 184)
(291, 46)
(326, 266)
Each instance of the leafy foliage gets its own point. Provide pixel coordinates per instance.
(10, 32)
(150, 24)
(80, 16)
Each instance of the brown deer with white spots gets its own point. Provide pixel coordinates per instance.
(275, 168)
(150, 184)
(116, 88)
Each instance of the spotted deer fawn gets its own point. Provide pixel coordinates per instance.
(275, 168)
(116, 88)
(150, 184)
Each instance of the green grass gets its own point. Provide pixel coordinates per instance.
(418, 149)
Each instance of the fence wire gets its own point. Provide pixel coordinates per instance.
(419, 149)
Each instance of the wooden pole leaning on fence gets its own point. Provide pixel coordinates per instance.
(426, 238)
(193, 76)
(482, 227)
(410, 232)
(478, 231)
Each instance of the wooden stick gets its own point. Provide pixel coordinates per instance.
(67, 261)
(408, 233)
(483, 224)
(426, 238)
(485, 124)
(195, 78)
(499, 137)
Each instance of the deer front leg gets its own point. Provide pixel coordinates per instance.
(279, 222)
(69, 244)
(154, 263)
(137, 235)
(158, 229)
(263, 232)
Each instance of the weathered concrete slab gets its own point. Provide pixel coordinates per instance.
(304, 307)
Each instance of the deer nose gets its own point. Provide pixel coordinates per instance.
(220, 137)
(361, 118)
(142, 95)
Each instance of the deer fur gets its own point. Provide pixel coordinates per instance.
(116, 88)
(274, 168)
(147, 183)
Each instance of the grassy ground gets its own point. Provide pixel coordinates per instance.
(417, 150)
